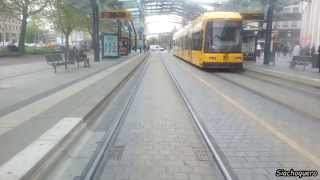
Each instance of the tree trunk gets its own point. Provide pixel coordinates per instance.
(23, 33)
(66, 51)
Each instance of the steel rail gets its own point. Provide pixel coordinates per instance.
(91, 172)
(228, 175)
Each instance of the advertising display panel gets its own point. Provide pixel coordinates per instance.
(110, 43)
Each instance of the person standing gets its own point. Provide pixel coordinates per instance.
(313, 50)
(296, 50)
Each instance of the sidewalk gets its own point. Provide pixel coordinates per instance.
(309, 76)
(22, 84)
(44, 120)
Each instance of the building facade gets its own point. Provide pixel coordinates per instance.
(310, 34)
(288, 23)
(9, 29)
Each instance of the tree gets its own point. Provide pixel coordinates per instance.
(153, 41)
(86, 25)
(33, 31)
(66, 19)
(23, 10)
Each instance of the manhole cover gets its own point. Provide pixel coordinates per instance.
(200, 153)
(116, 152)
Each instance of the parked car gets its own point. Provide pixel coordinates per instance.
(156, 48)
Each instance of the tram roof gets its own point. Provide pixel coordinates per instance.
(220, 15)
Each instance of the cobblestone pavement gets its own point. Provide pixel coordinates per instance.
(158, 140)
(255, 134)
(282, 65)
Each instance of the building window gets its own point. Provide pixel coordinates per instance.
(295, 9)
(294, 24)
(285, 24)
(286, 10)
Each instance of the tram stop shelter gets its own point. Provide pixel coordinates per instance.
(252, 29)
(186, 10)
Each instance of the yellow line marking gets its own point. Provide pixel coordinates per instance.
(261, 121)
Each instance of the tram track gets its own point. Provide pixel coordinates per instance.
(263, 95)
(292, 86)
(96, 163)
(95, 168)
(293, 143)
(214, 150)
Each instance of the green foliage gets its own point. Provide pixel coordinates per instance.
(66, 18)
(42, 50)
(33, 31)
(153, 41)
(22, 10)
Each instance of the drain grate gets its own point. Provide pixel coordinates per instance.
(116, 152)
(200, 153)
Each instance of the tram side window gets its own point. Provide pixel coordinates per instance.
(184, 42)
(189, 43)
(196, 41)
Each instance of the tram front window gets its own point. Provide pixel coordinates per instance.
(223, 36)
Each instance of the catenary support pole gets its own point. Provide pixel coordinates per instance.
(267, 48)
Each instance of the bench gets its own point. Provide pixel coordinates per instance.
(55, 60)
(300, 60)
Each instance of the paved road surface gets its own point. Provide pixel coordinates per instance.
(158, 139)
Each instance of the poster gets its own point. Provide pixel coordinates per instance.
(124, 46)
(110, 45)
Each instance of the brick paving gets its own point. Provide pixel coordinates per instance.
(253, 152)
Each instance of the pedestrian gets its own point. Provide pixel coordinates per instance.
(296, 50)
(307, 50)
(285, 50)
(259, 50)
(313, 50)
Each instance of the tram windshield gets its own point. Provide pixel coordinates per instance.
(223, 36)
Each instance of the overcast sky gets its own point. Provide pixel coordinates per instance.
(164, 23)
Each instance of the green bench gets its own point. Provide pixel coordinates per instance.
(55, 60)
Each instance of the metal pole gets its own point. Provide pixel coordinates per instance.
(267, 48)
(135, 36)
(95, 29)
(130, 38)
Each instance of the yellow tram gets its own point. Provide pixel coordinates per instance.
(213, 40)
